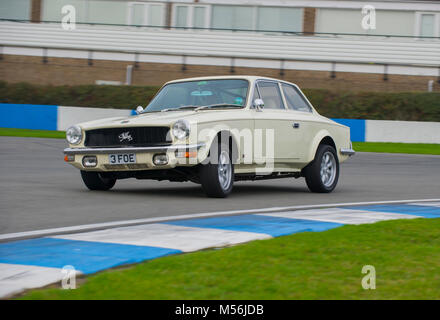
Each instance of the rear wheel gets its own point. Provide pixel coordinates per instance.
(217, 177)
(95, 181)
(322, 173)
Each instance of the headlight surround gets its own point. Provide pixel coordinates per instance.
(181, 129)
(74, 135)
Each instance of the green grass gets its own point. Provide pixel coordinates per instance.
(323, 265)
(32, 133)
(414, 148)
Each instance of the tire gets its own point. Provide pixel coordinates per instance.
(94, 181)
(322, 173)
(217, 177)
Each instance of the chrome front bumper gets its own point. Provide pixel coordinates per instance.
(347, 152)
(183, 147)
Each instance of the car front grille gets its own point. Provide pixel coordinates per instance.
(128, 137)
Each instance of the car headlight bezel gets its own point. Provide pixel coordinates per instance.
(181, 129)
(74, 135)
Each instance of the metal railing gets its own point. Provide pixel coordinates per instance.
(283, 32)
(184, 66)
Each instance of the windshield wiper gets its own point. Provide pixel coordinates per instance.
(180, 108)
(219, 105)
(145, 111)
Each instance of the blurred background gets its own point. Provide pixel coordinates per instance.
(374, 68)
(316, 44)
(352, 62)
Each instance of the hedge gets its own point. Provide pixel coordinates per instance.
(94, 96)
(413, 106)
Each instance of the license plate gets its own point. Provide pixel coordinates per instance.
(122, 158)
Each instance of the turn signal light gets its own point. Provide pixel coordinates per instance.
(69, 158)
(186, 154)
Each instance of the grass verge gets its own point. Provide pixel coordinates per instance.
(323, 265)
(413, 148)
(32, 133)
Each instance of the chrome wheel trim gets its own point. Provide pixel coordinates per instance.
(224, 170)
(328, 169)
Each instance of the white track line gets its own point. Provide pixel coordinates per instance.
(14, 278)
(344, 216)
(431, 204)
(113, 224)
(181, 238)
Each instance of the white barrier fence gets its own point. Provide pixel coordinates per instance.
(49, 117)
(374, 130)
(402, 131)
(68, 116)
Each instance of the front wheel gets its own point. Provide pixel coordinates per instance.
(322, 173)
(94, 181)
(217, 177)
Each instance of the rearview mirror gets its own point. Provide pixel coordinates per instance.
(139, 109)
(259, 104)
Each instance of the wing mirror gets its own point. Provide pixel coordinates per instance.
(259, 104)
(139, 109)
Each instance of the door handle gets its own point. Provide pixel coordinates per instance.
(295, 125)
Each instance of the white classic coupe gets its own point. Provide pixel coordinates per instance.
(214, 131)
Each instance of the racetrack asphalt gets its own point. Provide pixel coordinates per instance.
(38, 190)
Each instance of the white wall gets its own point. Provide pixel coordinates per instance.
(402, 131)
(110, 12)
(375, 130)
(278, 18)
(349, 21)
(393, 18)
(257, 18)
(15, 9)
(69, 116)
(51, 9)
(348, 4)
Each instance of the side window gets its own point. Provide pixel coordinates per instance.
(294, 100)
(271, 95)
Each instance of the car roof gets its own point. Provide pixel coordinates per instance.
(246, 77)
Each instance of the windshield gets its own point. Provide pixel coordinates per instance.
(195, 94)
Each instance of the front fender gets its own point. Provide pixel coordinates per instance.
(315, 144)
(207, 135)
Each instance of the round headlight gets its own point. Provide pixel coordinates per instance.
(74, 135)
(181, 129)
